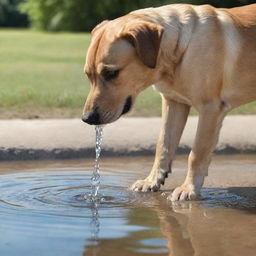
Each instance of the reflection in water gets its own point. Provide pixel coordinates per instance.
(193, 229)
(205, 227)
(95, 226)
(95, 223)
(142, 237)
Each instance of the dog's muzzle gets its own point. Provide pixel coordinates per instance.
(94, 117)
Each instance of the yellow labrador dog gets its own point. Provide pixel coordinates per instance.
(196, 56)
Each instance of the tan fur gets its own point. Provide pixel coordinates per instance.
(196, 56)
(145, 37)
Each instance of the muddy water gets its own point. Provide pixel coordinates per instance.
(42, 212)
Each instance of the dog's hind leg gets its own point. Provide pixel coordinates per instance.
(174, 117)
(210, 121)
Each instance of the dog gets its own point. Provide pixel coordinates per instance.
(197, 56)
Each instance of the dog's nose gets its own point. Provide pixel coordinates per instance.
(92, 117)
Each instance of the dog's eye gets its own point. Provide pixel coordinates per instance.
(110, 74)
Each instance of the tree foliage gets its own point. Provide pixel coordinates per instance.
(10, 15)
(78, 15)
(83, 15)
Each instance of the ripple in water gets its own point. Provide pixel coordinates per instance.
(60, 193)
(47, 212)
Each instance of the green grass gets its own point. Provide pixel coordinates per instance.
(42, 70)
(42, 76)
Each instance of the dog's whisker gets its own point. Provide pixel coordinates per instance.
(107, 116)
(111, 117)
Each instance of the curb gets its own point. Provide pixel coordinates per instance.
(70, 138)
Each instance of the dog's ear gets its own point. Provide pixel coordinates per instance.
(145, 37)
(100, 25)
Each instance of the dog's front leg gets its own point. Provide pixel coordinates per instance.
(210, 120)
(174, 117)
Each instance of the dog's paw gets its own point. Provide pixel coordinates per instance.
(184, 192)
(145, 185)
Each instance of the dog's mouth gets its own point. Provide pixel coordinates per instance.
(127, 105)
(96, 118)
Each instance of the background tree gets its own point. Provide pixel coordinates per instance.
(82, 15)
(10, 15)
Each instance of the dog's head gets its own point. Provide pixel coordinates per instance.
(120, 63)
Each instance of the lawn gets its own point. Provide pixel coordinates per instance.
(42, 76)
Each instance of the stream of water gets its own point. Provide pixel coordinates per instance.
(96, 173)
(94, 195)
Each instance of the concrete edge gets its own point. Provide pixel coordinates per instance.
(71, 139)
(21, 154)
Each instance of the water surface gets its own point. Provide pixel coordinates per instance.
(42, 210)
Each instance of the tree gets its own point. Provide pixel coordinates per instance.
(10, 15)
(83, 15)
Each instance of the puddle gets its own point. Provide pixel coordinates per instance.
(46, 212)
(43, 212)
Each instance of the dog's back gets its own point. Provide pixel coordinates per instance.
(219, 41)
